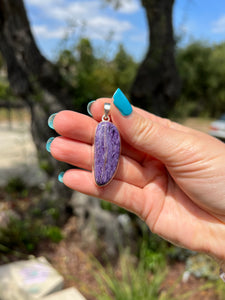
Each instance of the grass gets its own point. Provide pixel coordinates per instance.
(131, 281)
(133, 278)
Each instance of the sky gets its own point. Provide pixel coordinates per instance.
(57, 23)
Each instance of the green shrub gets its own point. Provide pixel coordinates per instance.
(25, 235)
(52, 233)
(16, 185)
(220, 289)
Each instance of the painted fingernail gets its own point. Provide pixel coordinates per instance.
(50, 120)
(60, 177)
(48, 144)
(122, 103)
(89, 107)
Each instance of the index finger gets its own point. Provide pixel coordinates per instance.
(82, 128)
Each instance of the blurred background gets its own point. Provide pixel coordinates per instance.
(168, 57)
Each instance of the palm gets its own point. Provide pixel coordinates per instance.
(142, 184)
(173, 215)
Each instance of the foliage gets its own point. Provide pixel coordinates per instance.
(202, 70)
(116, 3)
(132, 280)
(16, 185)
(153, 259)
(124, 69)
(5, 90)
(220, 289)
(25, 235)
(157, 252)
(28, 221)
(93, 76)
(112, 207)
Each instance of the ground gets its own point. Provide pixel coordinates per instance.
(72, 257)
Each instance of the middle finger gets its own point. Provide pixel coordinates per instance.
(81, 155)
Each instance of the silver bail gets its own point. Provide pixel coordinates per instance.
(107, 110)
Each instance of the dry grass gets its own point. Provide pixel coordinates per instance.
(198, 123)
(14, 115)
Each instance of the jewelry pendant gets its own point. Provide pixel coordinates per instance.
(106, 149)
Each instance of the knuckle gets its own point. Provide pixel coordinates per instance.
(168, 123)
(144, 129)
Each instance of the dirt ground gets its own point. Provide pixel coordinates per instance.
(71, 257)
(17, 151)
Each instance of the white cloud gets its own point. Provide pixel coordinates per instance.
(45, 33)
(85, 16)
(44, 3)
(219, 25)
(58, 8)
(76, 10)
(129, 6)
(62, 9)
(100, 27)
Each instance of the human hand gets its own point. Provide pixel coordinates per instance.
(169, 175)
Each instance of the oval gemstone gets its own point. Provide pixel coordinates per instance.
(106, 152)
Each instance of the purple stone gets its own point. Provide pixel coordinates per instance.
(107, 152)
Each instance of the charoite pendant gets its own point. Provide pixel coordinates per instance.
(106, 149)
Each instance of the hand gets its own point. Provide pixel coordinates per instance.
(171, 176)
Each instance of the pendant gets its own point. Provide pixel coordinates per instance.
(106, 149)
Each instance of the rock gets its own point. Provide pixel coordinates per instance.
(107, 152)
(8, 291)
(29, 279)
(186, 276)
(67, 294)
(94, 222)
(6, 216)
(202, 266)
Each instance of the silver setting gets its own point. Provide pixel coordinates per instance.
(106, 117)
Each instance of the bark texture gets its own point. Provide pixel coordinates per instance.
(35, 80)
(157, 83)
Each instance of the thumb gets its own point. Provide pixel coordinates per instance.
(164, 143)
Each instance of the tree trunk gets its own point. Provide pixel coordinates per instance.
(157, 83)
(37, 82)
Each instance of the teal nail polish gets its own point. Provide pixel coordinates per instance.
(60, 177)
(122, 103)
(50, 120)
(48, 144)
(89, 107)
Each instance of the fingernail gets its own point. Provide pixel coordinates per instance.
(48, 144)
(50, 120)
(122, 103)
(89, 107)
(60, 177)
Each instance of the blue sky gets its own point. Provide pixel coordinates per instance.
(54, 20)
